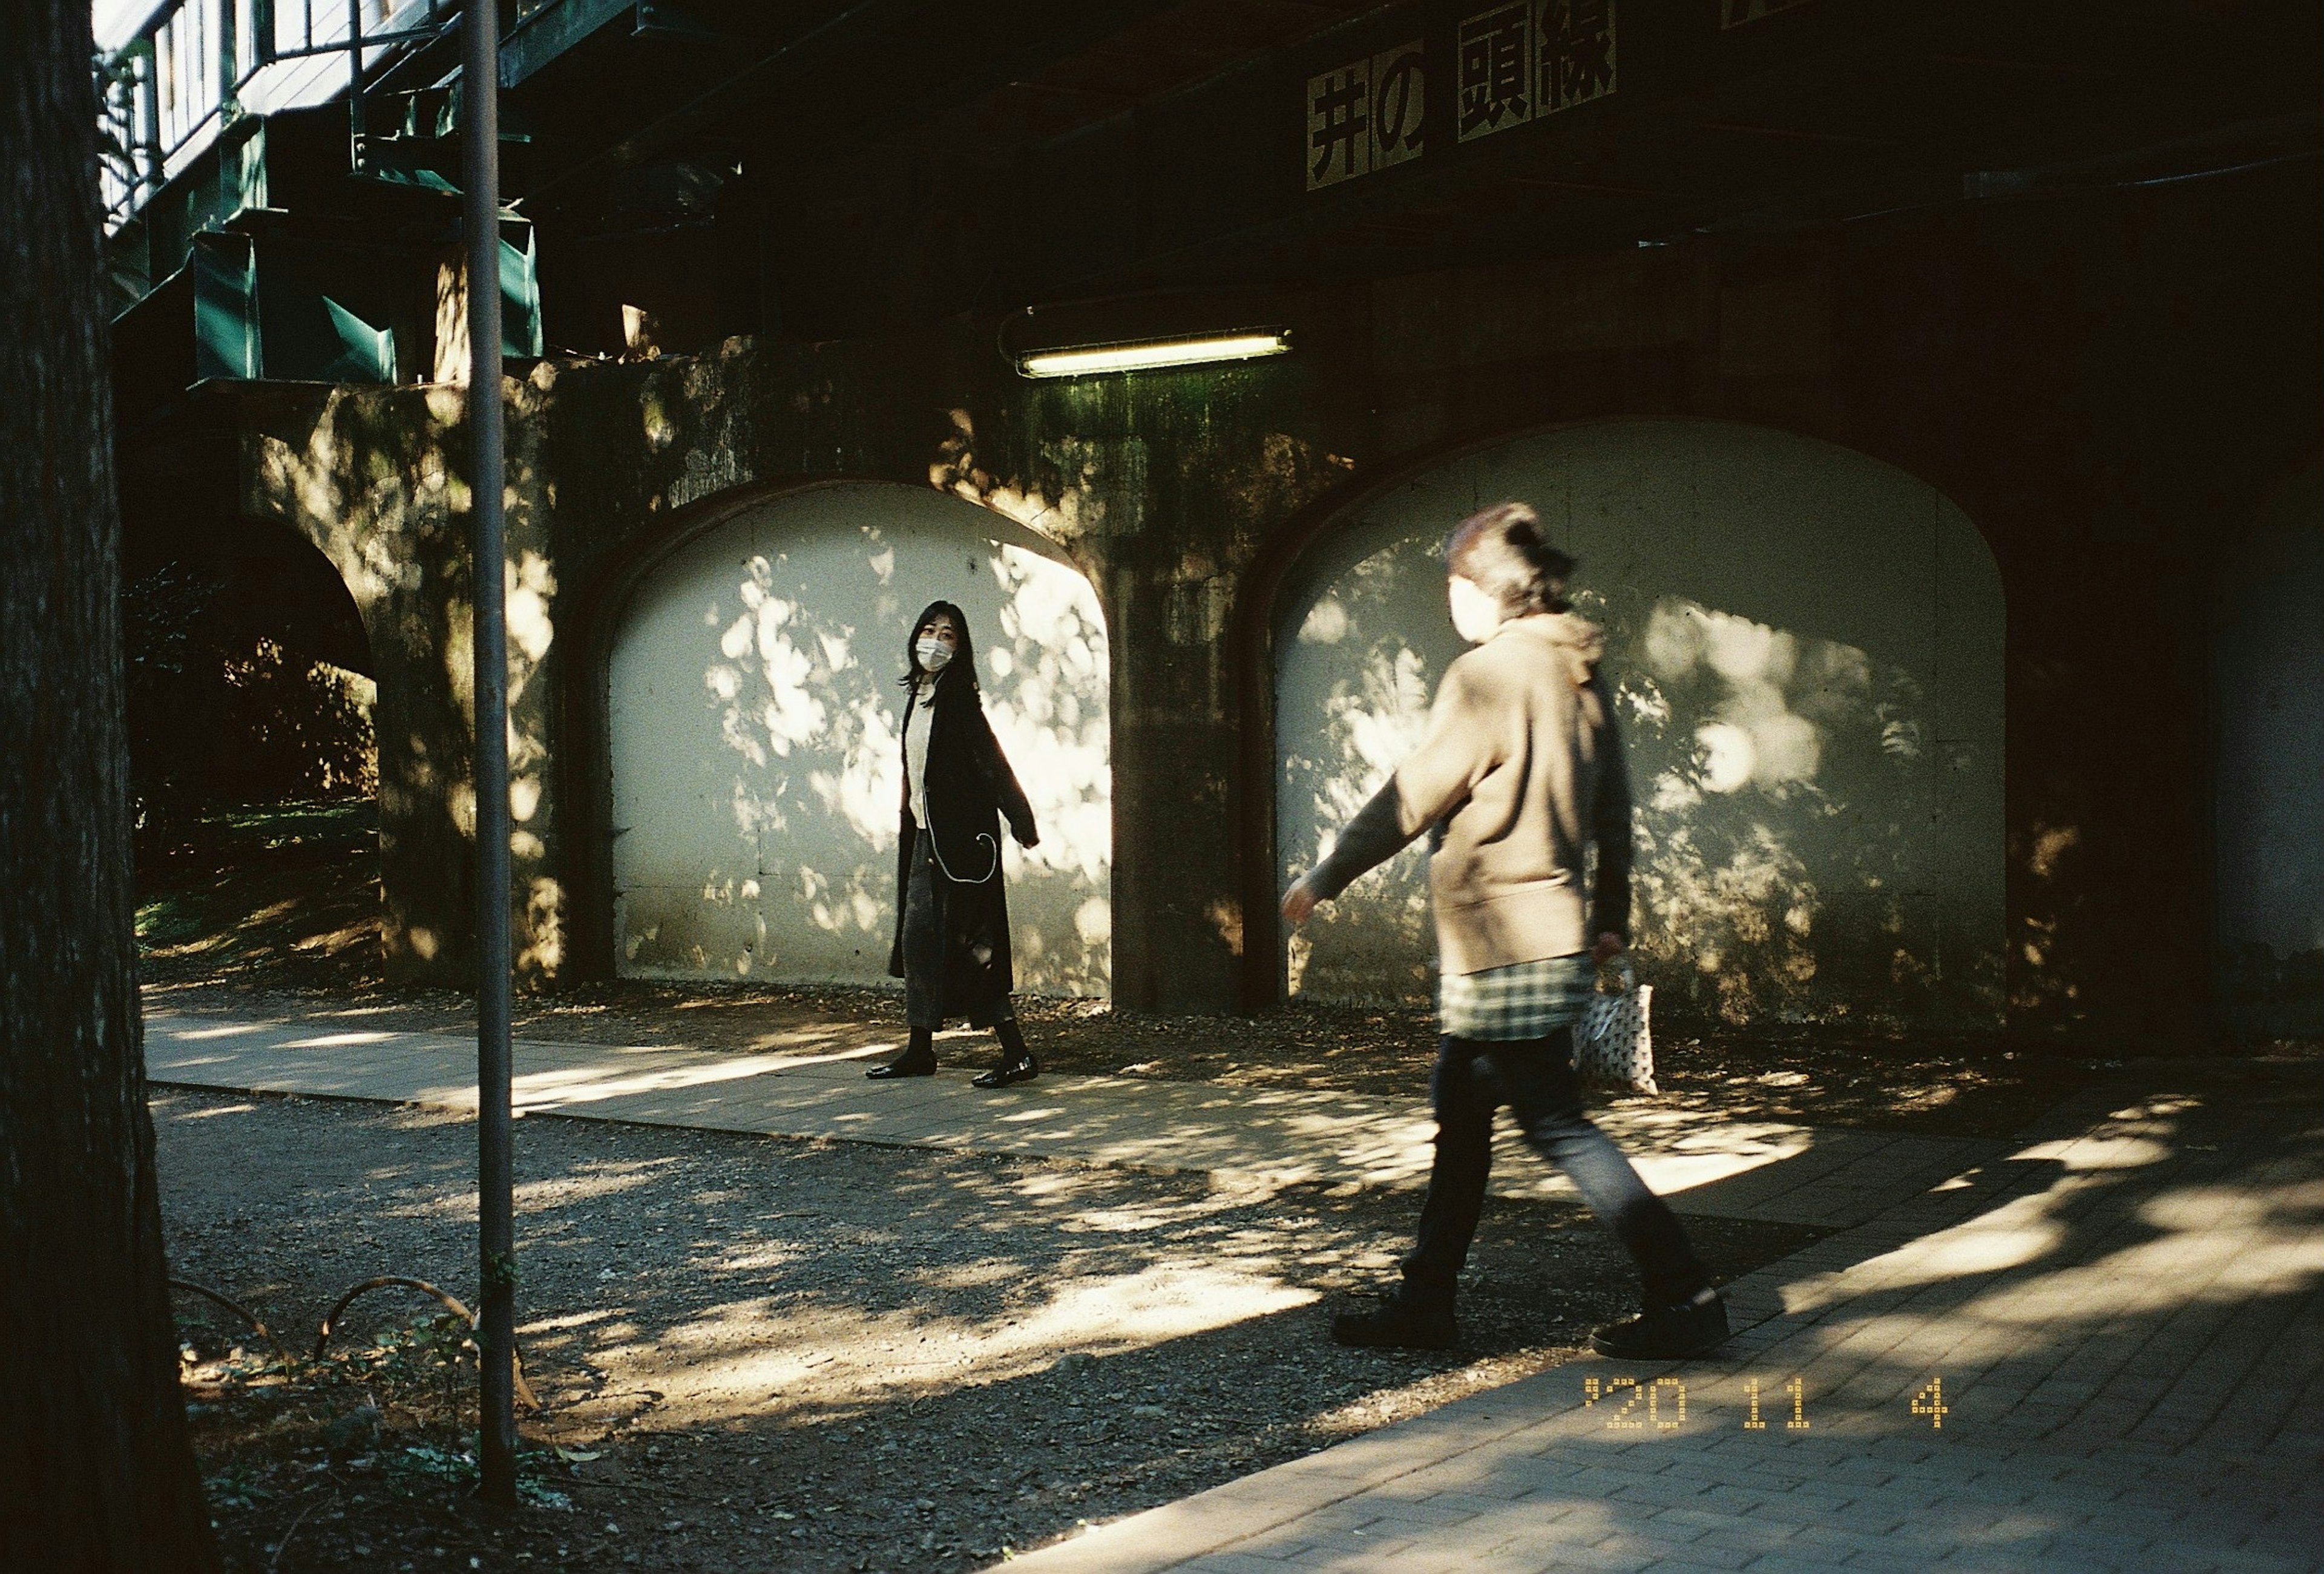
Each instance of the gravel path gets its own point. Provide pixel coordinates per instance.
(821, 1355)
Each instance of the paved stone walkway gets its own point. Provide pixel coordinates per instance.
(2102, 1350)
(1752, 1170)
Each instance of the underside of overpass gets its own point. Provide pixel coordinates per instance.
(2052, 266)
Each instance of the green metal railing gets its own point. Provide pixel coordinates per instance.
(182, 77)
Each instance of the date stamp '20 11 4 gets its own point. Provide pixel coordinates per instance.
(1664, 1402)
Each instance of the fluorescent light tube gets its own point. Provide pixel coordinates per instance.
(1145, 354)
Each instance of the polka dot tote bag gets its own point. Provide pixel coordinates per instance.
(1613, 1043)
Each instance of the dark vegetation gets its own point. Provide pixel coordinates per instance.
(287, 891)
(244, 687)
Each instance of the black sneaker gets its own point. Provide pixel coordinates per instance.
(1398, 1325)
(1667, 1333)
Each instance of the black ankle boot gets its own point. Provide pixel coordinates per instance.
(1693, 1327)
(1399, 1325)
(1017, 1062)
(918, 1059)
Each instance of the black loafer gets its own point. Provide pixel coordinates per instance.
(1399, 1326)
(904, 1066)
(1667, 1333)
(1023, 1069)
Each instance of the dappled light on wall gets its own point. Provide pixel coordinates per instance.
(375, 478)
(1805, 648)
(1366, 686)
(1773, 776)
(757, 750)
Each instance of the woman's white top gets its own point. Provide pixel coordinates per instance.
(916, 746)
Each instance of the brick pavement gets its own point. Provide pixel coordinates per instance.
(2119, 1324)
(1763, 1170)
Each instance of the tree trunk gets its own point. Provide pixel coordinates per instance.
(97, 1469)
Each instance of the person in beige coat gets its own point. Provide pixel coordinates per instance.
(1521, 772)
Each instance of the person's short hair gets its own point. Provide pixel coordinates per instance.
(1502, 552)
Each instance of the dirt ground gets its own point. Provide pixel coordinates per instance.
(758, 1353)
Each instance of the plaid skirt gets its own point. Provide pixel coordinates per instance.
(1530, 1000)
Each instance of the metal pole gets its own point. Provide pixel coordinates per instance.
(229, 53)
(497, 1327)
(355, 90)
(149, 87)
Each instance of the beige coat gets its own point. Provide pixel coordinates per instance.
(1522, 770)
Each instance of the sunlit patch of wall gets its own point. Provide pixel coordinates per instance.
(376, 479)
(1807, 649)
(2267, 693)
(754, 732)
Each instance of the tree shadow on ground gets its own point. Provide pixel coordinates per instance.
(835, 1356)
(832, 1354)
(2151, 1282)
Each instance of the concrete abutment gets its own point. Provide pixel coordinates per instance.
(1174, 492)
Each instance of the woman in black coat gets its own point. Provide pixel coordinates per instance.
(951, 912)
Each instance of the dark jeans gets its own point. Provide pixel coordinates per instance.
(1535, 1077)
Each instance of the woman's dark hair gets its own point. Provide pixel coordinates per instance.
(963, 657)
(1502, 552)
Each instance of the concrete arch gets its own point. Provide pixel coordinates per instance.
(2267, 669)
(1809, 645)
(751, 744)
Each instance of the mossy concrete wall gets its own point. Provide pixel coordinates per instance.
(2108, 384)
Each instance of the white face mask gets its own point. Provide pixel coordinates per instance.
(1476, 616)
(933, 654)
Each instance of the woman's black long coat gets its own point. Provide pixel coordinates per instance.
(970, 788)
